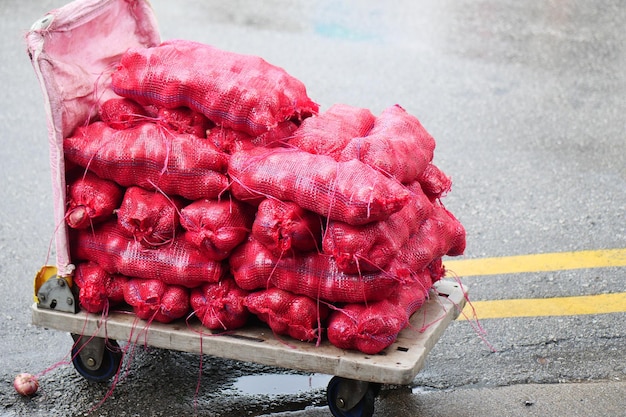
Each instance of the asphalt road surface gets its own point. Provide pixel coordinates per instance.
(526, 101)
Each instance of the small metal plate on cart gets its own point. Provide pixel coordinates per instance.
(55, 294)
(398, 364)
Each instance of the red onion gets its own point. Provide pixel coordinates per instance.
(26, 384)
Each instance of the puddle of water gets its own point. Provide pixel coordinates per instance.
(280, 384)
(421, 390)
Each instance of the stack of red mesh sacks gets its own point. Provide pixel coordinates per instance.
(212, 186)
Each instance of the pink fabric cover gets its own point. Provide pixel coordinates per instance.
(73, 51)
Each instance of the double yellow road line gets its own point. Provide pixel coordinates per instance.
(558, 306)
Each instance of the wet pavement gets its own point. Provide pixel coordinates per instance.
(536, 400)
(526, 101)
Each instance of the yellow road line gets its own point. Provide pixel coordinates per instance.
(534, 307)
(537, 262)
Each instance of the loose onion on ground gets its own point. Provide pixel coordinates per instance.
(26, 384)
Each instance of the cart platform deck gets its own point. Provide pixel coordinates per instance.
(398, 364)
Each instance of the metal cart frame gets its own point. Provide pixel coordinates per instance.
(357, 376)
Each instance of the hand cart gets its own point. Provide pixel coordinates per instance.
(357, 376)
(62, 46)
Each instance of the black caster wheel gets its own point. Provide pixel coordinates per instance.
(96, 359)
(350, 398)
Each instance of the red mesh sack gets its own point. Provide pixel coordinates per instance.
(148, 216)
(184, 120)
(437, 270)
(216, 227)
(284, 227)
(251, 265)
(115, 289)
(373, 327)
(91, 200)
(318, 277)
(278, 136)
(236, 91)
(231, 141)
(441, 234)
(285, 313)
(455, 242)
(152, 299)
(177, 263)
(150, 157)
(347, 191)
(372, 246)
(98, 289)
(434, 181)
(366, 328)
(330, 132)
(398, 145)
(122, 113)
(220, 305)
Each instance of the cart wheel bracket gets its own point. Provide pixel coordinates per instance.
(90, 350)
(56, 294)
(349, 393)
(351, 398)
(97, 359)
